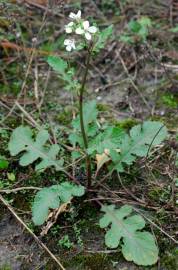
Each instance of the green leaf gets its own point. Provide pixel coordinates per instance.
(145, 21)
(126, 38)
(44, 200)
(51, 198)
(134, 26)
(67, 190)
(64, 72)
(174, 29)
(3, 163)
(11, 176)
(109, 139)
(58, 64)
(22, 141)
(103, 37)
(90, 113)
(141, 139)
(137, 246)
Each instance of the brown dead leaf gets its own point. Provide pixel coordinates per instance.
(38, 2)
(52, 217)
(101, 159)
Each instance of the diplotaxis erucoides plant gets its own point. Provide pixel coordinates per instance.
(101, 145)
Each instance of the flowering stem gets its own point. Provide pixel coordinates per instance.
(84, 135)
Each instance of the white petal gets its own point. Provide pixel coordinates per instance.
(72, 15)
(79, 13)
(66, 41)
(70, 24)
(92, 29)
(69, 48)
(88, 36)
(68, 30)
(79, 31)
(86, 25)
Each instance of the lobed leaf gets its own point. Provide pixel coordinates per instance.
(137, 246)
(52, 197)
(22, 141)
(65, 73)
(142, 138)
(44, 200)
(90, 113)
(103, 37)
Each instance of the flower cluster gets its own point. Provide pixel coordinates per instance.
(80, 27)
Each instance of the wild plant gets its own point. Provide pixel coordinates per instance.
(103, 147)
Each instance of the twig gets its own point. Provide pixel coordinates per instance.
(128, 191)
(30, 231)
(32, 120)
(133, 84)
(22, 88)
(18, 189)
(155, 225)
(153, 141)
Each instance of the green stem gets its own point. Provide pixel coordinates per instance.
(84, 135)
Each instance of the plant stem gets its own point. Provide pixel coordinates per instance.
(84, 135)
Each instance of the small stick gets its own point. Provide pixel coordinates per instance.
(30, 231)
(18, 189)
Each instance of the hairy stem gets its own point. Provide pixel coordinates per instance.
(82, 126)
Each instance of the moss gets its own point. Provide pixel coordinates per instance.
(126, 124)
(103, 107)
(170, 101)
(170, 260)
(65, 116)
(94, 262)
(155, 193)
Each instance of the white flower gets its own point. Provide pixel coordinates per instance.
(87, 30)
(69, 27)
(70, 44)
(76, 16)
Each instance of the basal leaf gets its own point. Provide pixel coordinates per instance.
(22, 141)
(109, 139)
(141, 139)
(51, 198)
(67, 190)
(137, 246)
(45, 199)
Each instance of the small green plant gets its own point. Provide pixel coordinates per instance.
(3, 163)
(65, 242)
(170, 101)
(137, 31)
(77, 232)
(91, 141)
